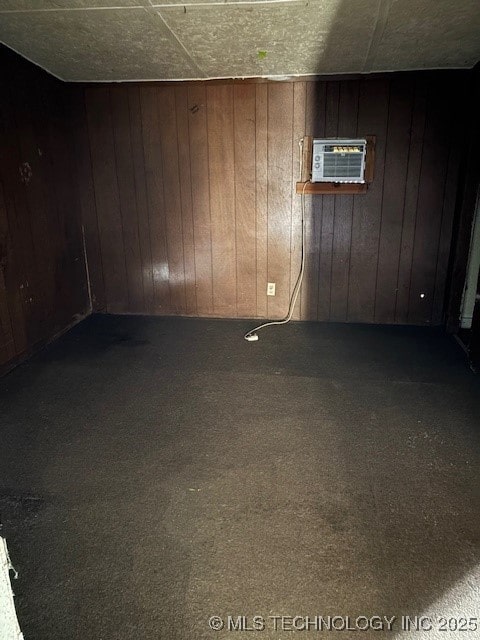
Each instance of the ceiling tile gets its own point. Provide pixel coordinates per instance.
(98, 45)
(162, 3)
(37, 5)
(429, 34)
(323, 36)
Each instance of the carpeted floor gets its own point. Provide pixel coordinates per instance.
(156, 472)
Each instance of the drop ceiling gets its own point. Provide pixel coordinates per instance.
(118, 40)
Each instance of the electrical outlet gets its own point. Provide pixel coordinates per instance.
(270, 288)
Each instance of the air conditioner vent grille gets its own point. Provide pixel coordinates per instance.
(349, 165)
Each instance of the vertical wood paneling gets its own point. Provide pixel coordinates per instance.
(314, 123)
(202, 223)
(465, 210)
(457, 131)
(141, 198)
(127, 196)
(245, 223)
(372, 117)
(210, 183)
(414, 165)
(69, 264)
(7, 344)
(87, 201)
(393, 201)
(332, 98)
(342, 231)
(181, 101)
(298, 131)
(222, 197)
(33, 135)
(280, 123)
(429, 205)
(261, 198)
(152, 150)
(42, 271)
(107, 199)
(172, 198)
(33, 227)
(17, 258)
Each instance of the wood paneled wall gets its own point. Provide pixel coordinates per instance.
(42, 272)
(186, 192)
(190, 205)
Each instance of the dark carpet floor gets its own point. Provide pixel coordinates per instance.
(156, 472)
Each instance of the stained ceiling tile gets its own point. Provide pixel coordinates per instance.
(274, 39)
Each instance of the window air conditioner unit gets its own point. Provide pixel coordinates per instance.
(338, 160)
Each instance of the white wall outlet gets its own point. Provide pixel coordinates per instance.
(270, 288)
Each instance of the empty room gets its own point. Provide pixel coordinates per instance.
(239, 319)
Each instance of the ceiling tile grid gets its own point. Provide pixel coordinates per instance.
(128, 40)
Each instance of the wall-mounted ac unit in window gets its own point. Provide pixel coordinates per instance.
(338, 160)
